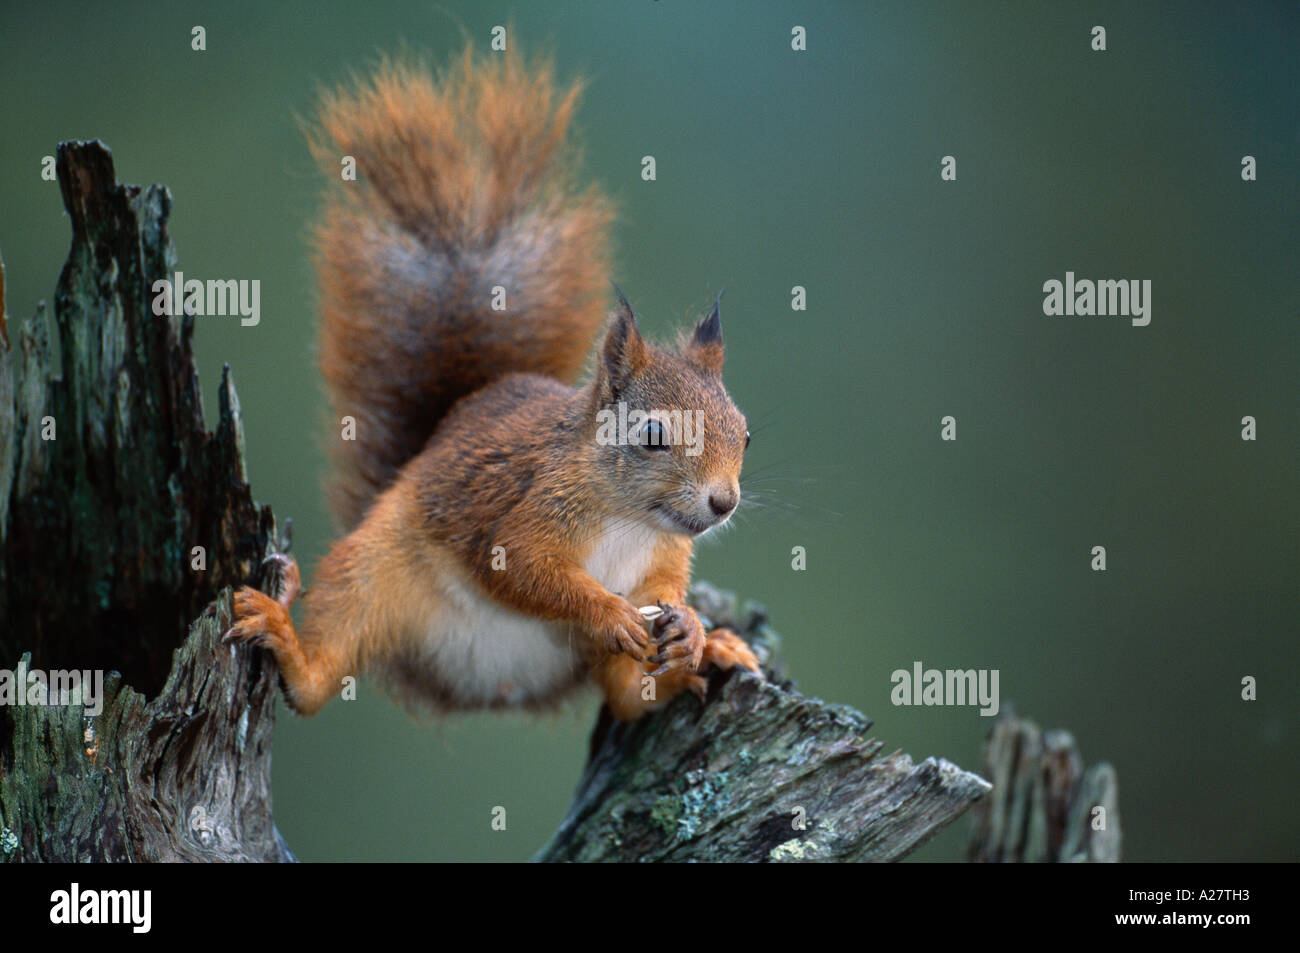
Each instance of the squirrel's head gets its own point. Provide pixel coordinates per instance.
(669, 439)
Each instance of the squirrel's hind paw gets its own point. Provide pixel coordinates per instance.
(260, 620)
(725, 649)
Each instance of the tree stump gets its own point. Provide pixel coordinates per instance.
(1045, 808)
(121, 518)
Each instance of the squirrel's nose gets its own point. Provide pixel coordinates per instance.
(723, 502)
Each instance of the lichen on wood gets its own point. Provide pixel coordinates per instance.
(758, 773)
(184, 775)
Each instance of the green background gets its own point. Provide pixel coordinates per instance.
(820, 169)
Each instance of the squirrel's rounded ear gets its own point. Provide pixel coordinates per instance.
(706, 343)
(624, 351)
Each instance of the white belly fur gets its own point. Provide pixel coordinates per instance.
(485, 654)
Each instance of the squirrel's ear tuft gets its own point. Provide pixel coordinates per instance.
(706, 343)
(624, 352)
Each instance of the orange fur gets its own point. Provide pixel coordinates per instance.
(498, 550)
(464, 184)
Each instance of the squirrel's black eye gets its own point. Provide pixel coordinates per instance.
(746, 439)
(654, 436)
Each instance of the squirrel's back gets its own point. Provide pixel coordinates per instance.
(464, 194)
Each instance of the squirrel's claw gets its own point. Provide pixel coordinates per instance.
(280, 575)
(679, 640)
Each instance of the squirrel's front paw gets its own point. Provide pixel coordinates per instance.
(679, 640)
(623, 629)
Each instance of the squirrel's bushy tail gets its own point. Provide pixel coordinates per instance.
(464, 192)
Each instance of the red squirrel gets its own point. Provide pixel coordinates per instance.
(497, 548)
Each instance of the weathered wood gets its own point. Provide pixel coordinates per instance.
(97, 529)
(98, 524)
(182, 776)
(1042, 808)
(96, 532)
(760, 773)
(4, 313)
